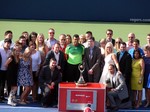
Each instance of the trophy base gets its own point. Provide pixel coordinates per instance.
(81, 85)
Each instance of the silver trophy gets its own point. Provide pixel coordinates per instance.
(81, 81)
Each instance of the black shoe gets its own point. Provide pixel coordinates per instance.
(44, 105)
(115, 108)
(3, 98)
(108, 107)
(55, 106)
(1, 101)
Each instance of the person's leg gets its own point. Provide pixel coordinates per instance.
(2, 84)
(34, 87)
(90, 78)
(11, 96)
(14, 88)
(111, 96)
(46, 95)
(139, 98)
(69, 73)
(147, 97)
(134, 97)
(25, 94)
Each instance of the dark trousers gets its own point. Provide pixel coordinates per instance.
(2, 83)
(49, 96)
(72, 73)
(113, 98)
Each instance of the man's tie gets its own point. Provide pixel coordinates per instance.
(113, 83)
(91, 54)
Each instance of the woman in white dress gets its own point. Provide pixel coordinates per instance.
(110, 58)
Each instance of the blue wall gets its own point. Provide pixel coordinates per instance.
(89, 10)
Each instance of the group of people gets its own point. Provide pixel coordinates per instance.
(34, 61)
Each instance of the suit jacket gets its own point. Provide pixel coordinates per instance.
(61, 62)
(0, 60)
(120, 85)
(125, 65)
(113, 42)
(94, 62)
(46, 77)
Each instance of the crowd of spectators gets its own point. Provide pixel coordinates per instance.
(34, 62)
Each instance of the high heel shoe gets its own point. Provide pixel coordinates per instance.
(137, 106)
(147, 104)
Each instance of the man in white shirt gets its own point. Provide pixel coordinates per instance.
(129, 43)
(50, 42)
(8, 34)
(5, 53)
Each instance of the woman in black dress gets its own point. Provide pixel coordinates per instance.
(12, 71)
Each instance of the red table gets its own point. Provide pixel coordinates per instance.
(73, 98)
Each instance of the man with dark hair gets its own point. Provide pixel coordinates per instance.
(118, 90)
(8, 34)
(58, 55)
(136, 46)
(74, 53)
(5, 53)
(92, 62)
(125, 62)
(49, 79)
(22, 40)
(89, 35)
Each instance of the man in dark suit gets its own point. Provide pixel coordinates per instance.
(92, 61)
(109, 35)
(125, 61)
(118, 90)
(49, 79)
(59, 56)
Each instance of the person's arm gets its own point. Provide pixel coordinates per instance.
(128, 63)
(46, 49)
(57, 79)
(142, 64)
(39, 63)
(114, 57)
(31, 66)
(8, 61)
(41, 76)
(98, 56)
(47, 58)
(121, 80)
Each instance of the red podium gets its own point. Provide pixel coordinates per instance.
(73, 98)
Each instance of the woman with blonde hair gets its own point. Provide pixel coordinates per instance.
(12, 65)
(25, 78)
(110, 58)
(82, 39)
(41, 46)
(117, 44)
(102, 43)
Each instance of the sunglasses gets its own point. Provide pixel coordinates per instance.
(51, 32)
(118, 42)
(130, 37)
(109, 33)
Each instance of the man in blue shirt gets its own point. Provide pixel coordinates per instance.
(136, 44)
